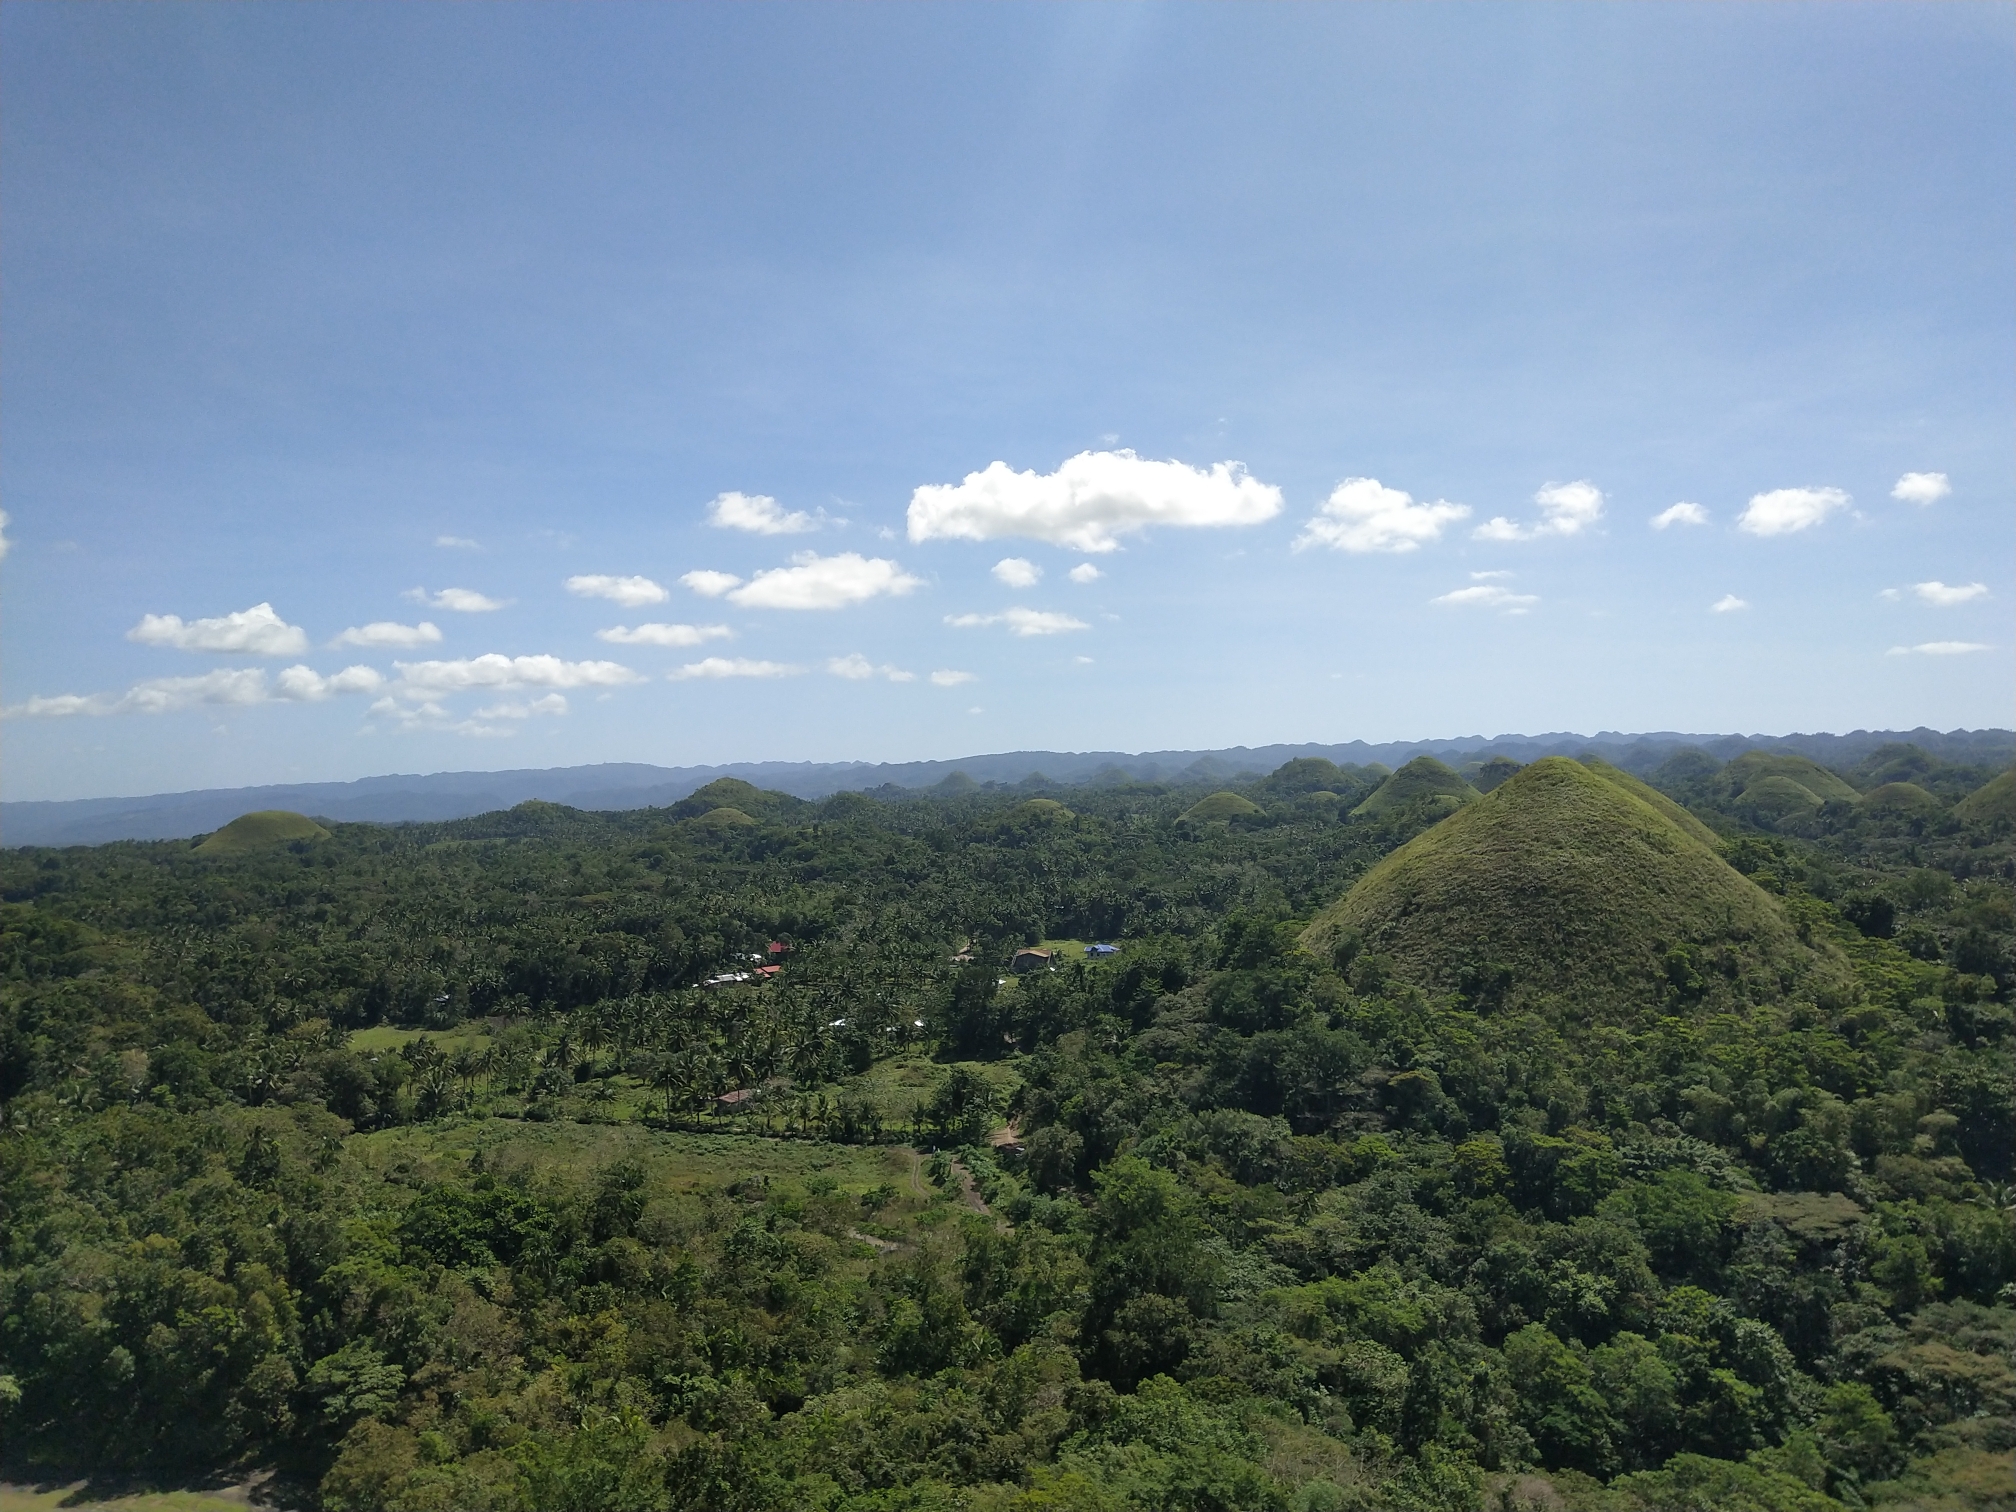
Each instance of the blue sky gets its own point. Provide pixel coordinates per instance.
(312, 313)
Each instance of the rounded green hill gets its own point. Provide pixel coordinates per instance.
(1900, 798)
(1996, 800)
(1566, 883)
(1774, 797)
(723, 818)
(262, 831)
(1041, 811)
(726, 792)
(1221, 806)
(1422, 778)
(1748, 772)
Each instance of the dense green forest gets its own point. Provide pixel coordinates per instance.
(1530, 1137)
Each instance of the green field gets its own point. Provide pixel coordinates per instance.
(80, 1496)
(382, 1039)
(675, 1162)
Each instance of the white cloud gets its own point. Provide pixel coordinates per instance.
(1940, 596)
(1569, 507)
(1728, 604)
(1085, 572)
(457, 543)
(630, 592)
(857, 667)
(710, 584)
(759, 514)
(1082, 661)
(1922, 488)
(460, 600)
(433, 679)
(656, 634)
(239, 686)
(389, 633)
(1488, 596)
(1680, 514)
(1362, 514)
(257, 631)
(1019, 572)
(1090, 501)
(739, 666)
(1496, 575)
(945, 677)
(306, 685)
(1785, 510)
(816, 582)
(1021, 621)
(1892, 594)
(1939, 648)
(1566, 509)
(554, 704)
(4, 542)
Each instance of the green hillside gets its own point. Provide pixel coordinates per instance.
(1041, 810)
(1774, 797)
(1746, 772)
(1422, 778)
(1997, 800)
(261, 831)
(1566, 883)
(1900, 798)
(723, 818)
(1645, 793)
(1220, 806)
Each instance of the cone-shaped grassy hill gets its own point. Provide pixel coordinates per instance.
(1566, 883)
(1997, 800)
(725, 817)
(754, 804)
(1221, 806)
(1423, 777)
(1774, 797)
(1041, 811)
(262, 831)
(1761, 772)
(1900, 798)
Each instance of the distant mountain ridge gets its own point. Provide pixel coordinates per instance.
(626, 785)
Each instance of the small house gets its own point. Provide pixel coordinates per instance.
(1027, 961)
(738, 1101)
(1102, 950)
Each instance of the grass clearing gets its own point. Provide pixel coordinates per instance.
(382, 1039)
(80, 1496)
(675, 1162)
(900, 1085)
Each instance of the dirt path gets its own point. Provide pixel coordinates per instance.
(970, 1189)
